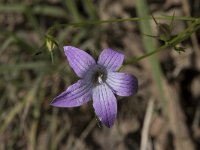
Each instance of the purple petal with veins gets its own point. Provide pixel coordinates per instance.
(79, 60)
(105, 104)
(111, 59)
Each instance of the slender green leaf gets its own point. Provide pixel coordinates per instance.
(149, 44)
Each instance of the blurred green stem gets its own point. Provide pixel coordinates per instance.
(195, 26)
(52, 60)
(98, 22)
(149, 45)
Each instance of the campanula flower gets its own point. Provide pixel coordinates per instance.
(98, 80)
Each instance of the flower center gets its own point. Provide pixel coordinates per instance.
(99, 75)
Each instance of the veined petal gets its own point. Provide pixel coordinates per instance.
(75, 95)
(105, 104)
(122, 84)
(79, 60)
(111, 59)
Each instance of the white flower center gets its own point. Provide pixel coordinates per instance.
(100, 79)
(99, 74)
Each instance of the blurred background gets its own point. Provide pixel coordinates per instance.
(163, 115)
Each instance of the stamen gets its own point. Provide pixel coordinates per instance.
(99, 75)
(100, 79)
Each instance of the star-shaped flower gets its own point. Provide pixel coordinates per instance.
(99, 80)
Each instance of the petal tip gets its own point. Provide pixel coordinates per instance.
(57, 101)
(109, 124)
(53, 103)
(57, 104)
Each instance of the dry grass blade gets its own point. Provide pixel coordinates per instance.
(147, 121)
(20, 105)
(177, 121)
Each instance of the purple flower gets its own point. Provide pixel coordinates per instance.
(99, 81)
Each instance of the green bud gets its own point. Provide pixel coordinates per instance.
(164, 31)
(50, 43)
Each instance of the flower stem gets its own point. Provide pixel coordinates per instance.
(98, 22)
(193, 27)
(52, 60)
(132, 61)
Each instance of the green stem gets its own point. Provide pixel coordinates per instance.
(192, 28)
(52, 60)
(146, 55)
(173, 42)
(98, 22)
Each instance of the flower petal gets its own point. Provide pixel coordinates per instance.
(111, 59)
(122, 84)
(105, 104)
(79, 60)
(75, 95)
